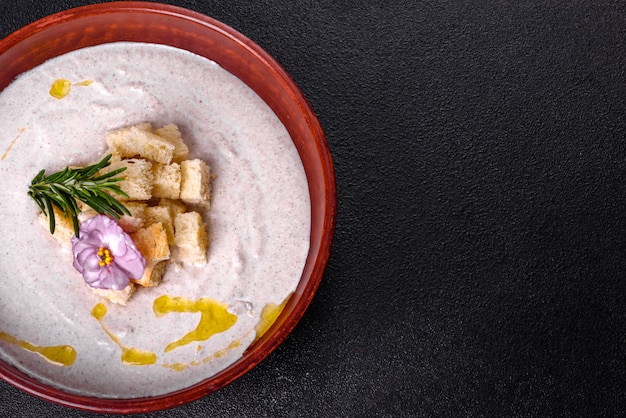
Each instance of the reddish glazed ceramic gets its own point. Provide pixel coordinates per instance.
(181, 28)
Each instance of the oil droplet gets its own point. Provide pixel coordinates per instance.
(136, 357)
(268, 316)
(60, 355)
(214, 317)
(179, 367)
(99, 311)
(4, 156)
(60, 88)
(224, 351)
(131, 356)
(84, 83)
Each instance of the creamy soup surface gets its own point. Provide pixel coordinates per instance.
(51, 325)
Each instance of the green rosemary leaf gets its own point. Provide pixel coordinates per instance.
(50, 214)
(83, 194)
(57, 177)
(55, 199)
(117, 190)
(41, 205)
(70, 205)
(101, 206)
(75, 225)
(121, 209)
(109, 175)
(54, 193)
(115, 204)
(93, 169)
(39, 176)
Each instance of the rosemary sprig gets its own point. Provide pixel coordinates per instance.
(63, 188)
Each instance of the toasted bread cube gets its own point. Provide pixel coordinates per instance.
(191, 238)
(151, 242)
(121, 297)
(137, 183)
(191, 256)
(134, 221)
(166, 181)
(152, 274)
(175, 206)
(130, 224)
(161, 214)
(136, 209)
(195, 186)
(63, 229)
(172, 134)
(137, 141)
(145, 126)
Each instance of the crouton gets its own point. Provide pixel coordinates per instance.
(120, 297)
(138, 177)
(151, 242)
(152, 274)
(136, 209)
(63, 229)
(166, 181)
(145, 126)
(175, 206)
(161, 214)
(191, 238)
(172, 135)
(134, 221)
(195, 185)
(137, 141)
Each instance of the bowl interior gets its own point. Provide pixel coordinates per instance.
(181, 28)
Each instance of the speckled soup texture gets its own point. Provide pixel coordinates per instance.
(259, 221)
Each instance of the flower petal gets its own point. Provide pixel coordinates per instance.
(94, 277)
(135, 267)
(116, 278)
(114, 241)
(88, 259)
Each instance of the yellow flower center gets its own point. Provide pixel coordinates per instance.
(105, 257)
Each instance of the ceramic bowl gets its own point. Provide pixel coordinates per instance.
(163, 24)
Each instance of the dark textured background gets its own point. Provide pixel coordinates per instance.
(480, 253)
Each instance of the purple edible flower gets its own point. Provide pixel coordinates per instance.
(106, 255)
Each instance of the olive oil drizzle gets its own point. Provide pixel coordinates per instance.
(131, 356)
(269, 314)
(4, 156)
(61, 87)
(214, 317)
(179, 367)
(59, 355)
